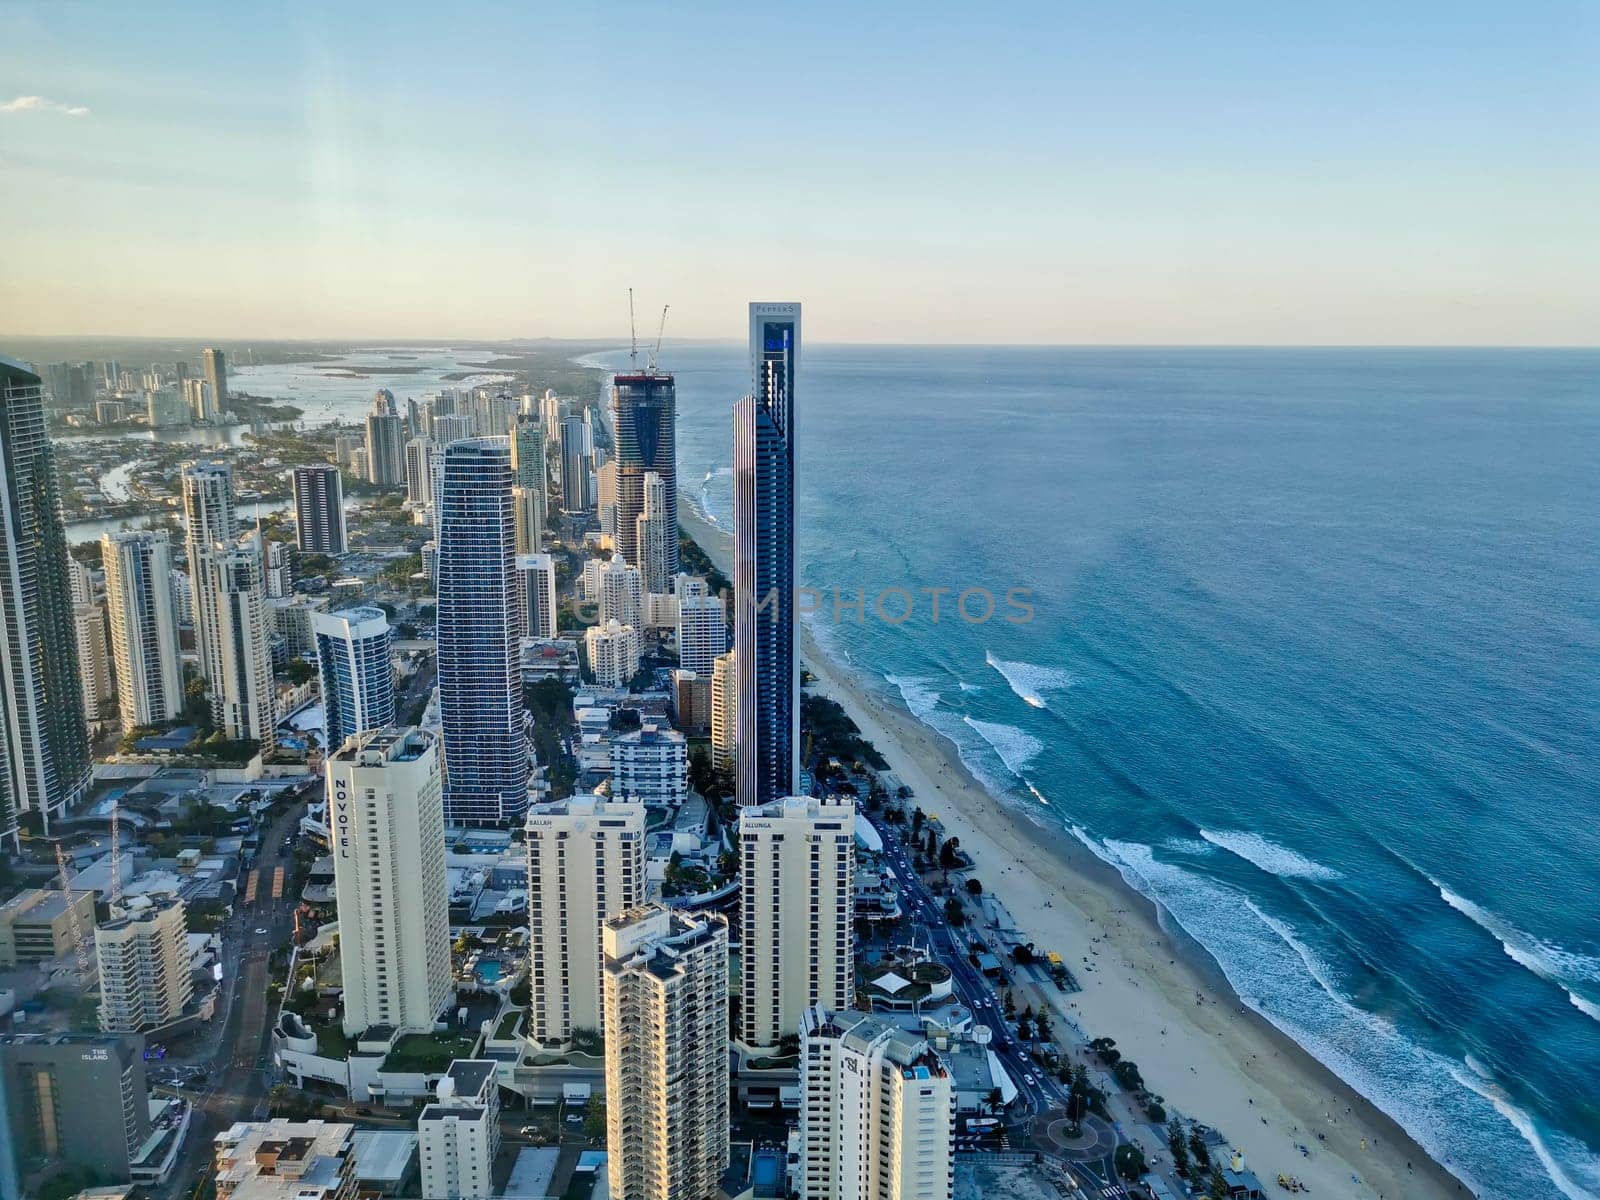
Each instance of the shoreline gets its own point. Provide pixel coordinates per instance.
(1216, 1061)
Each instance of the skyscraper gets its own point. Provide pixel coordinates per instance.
(536, 595)
(242, 693)
(144, 626)
(319, 526)
(585, 866)
(390, 880)
(458, 1135)
(386, 441)
(877, 1111)
(796, 855)
(214, 364)
(575, 462)
(79, 1100)
(528, 513)
(666, 1035)
(419, 472)
(94, 661)
(480, 676)
(621, 593)
(655, 536)
(764, 560)
(702, 633)
(644, 415)
(527, 452)
(357, 677)
(44, 744)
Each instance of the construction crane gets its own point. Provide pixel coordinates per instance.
(116, 852)
(633, 334)
(650, 367)
(79, 950)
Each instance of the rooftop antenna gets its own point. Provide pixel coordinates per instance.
(651, 367)
(633, 333)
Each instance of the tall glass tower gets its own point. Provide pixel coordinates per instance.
(644, 416)
(766, 656)
(357, 678)
(44, 745)
(480, 676)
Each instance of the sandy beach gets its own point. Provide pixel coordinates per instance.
(1157, 994)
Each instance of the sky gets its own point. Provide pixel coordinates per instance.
(1137, 172)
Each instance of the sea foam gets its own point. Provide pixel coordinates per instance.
(1015, 748)
(1268, 856)
(1030, 681)
(1279, 974)
(1564, 968)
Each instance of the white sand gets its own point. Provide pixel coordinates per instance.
(1215, 1061)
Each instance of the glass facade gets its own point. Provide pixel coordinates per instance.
(644, 415)
(353, 647)
(480, 678)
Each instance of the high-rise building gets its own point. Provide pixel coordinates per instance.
(242, 695)
(651, 764)
(285, 1160)
(390, 879)
(94, 660)
(419, 472)
(527, 453)
(144, 626)
(143, 954)
(214, 364)
(666, 1036)
(458, 1135)
(613, 650)
(764, 560)
(182, 597)
(386, 442)
(702, 633)
(585, 866)
(536, 595)
(655, 536)
(527, 509)
(165, 408)
(78, 1100)
(480, 675)
(877, 1111)
(357, 678)
(44, 743)
(319, 509)
(550, 414)
(197, 394)
(277, 571)
(575, 466)
(605, 490)
(644, 415)
(80, 582)
(796, 856)
(691, 701)
(621, 593)
(344, 445)
(451, 427)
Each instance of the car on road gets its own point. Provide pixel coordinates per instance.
(529, 1130)
(1031, 1081)
(259, 932)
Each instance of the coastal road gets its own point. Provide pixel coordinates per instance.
(927, 913)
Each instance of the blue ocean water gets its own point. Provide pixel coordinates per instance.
(1314, 661)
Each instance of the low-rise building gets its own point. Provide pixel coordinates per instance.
(37, 926)
(285, 1160)
(650, 764)
(458, 1135)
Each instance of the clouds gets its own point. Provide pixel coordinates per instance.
(27, 104)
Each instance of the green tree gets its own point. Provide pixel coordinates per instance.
(949, 854)
(298, 671)
(1130, 1161)
(1179, 1148)
(994, 1101)
(954, 913)
(1219, 1185)
(974, 887)
(1198, 1150)
(594, 1118)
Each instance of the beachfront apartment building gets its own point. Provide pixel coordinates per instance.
(390, 881)
(796, 859)
(877, 1111)
(666, 1036)
(585, 866)
(764, 580)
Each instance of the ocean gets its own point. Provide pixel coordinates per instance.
(1313, 660)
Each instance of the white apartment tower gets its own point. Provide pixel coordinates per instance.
(652, 529)
(94, 663)
(613, 653)
(702, 633)
(242, 692)
(724, 712)
(651, 764)
(797, 855)
(143, 956)
(666, 1032)
(536, 595)
(387, 817)
(527, 513)
(621, 593)
(144, 626)
(419, 472)
(877, 1111)
(458, 1135)
(585, 866)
